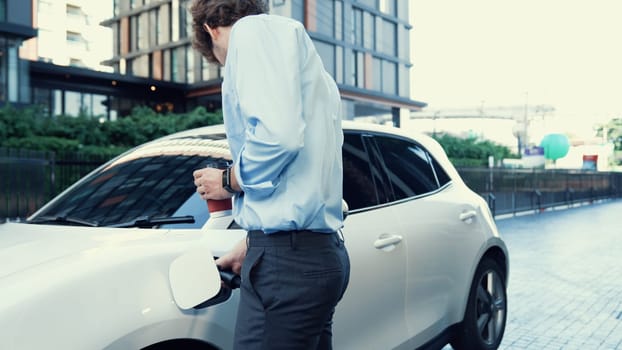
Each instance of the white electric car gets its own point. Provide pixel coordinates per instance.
(123, 259)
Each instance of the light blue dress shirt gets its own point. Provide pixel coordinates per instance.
(282, 117)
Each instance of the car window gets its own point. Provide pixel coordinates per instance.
(441, 174)
(152, 186)
(408, 166)
(359, 188)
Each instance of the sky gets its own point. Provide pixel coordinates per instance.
(491, 53)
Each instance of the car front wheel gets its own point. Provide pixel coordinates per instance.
(486, 312)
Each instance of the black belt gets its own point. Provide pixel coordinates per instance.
(301, 238)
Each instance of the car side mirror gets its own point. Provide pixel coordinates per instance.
(344, 208)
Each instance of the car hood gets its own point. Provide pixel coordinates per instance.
(24, 246)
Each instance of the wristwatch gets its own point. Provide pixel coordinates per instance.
(226, 181)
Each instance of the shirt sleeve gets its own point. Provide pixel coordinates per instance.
(268, 86)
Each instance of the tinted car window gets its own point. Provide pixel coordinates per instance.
(359, 189)
(408, 165)
(154, 182)
(441, 175)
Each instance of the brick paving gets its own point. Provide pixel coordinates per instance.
(565, 289)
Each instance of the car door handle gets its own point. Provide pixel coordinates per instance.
(467, 216)
(386, 240)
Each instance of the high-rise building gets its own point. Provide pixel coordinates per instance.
(70, 34)
(15, 27)
(364, 44)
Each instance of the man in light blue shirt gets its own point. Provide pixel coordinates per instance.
(282, 118)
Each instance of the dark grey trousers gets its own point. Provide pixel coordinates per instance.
(291, 283)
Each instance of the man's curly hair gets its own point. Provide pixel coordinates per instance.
(219, 13)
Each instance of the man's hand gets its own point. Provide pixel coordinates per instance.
(208, 182)
(233, 259)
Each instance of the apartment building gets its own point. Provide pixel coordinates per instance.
(364, 44)
(70, 34)
(62, 68)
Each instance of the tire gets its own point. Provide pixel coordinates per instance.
(486, 311)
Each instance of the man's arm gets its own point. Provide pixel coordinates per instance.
(265, 73)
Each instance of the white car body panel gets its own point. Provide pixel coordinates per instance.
(99, 285)
(376, 289)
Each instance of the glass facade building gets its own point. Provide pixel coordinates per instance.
(364, 45)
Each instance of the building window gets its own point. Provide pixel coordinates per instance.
(389, 38)
(327, 53)
(338, 20)
(339, 71)
(76, 62)
(154, 23)
(73, 10)
(2, 10)
(360, 69)
(133, 33)
(185, 21)
(166, 65)
(9, 70)
(73, 103)
(75, 39)
(377, 74)
(164, 29)
(357, 27)
(368, 31)
(178, 62)
(140, 66)
(209, 71)
(325, 18)
(43, 99)
(389, 77)
(142, 31)
(189, 64)
(98, 104)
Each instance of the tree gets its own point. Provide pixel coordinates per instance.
(471, 151)
(613, 132)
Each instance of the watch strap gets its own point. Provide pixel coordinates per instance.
(226, 180)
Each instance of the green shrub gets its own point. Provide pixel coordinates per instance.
(42, 143)
(31, 128)
(471, 152)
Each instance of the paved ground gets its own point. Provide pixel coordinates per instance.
(565, 288)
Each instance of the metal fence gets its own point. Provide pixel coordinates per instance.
(28, 179)
(511, 191)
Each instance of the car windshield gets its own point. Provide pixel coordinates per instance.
(152, 183)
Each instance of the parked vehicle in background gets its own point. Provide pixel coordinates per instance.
(93, 267)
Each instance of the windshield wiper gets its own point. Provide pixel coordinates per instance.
(62, 220)
(148, 222)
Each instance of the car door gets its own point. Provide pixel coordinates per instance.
(371, 314)
(439, 228)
